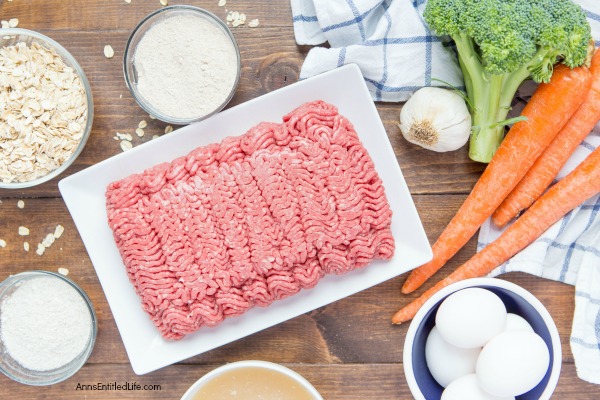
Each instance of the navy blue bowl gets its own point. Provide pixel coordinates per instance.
(535, 314)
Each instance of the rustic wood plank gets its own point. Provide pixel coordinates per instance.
(334, 382)
(353, 330)
(104, 15)
(348, 349)
(271, 60)
(344, 382)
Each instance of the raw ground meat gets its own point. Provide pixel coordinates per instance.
(250, 220)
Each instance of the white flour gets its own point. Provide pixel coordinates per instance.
(45, 324)
(186, 66)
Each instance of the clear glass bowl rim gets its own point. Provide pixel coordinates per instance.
(84, 356)
(149, 19)
(72, 62)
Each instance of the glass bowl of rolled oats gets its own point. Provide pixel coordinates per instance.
(46, 108)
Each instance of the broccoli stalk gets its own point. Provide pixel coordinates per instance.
(500, 43)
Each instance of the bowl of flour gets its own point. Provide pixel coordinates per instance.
(182, 64)
(47, 328)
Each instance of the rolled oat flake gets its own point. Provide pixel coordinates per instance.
(45, 323)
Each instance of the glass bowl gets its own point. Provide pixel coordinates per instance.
(517, 301)
(131, 74)
(12, 36)
(251, 364)
(12, 369)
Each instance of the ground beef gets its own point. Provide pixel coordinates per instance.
(250, 220)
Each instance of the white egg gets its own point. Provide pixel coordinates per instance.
(516, 322)
(447, 362)
(467, 388)
(512, 363)
(470, 317)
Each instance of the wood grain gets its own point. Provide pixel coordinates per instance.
(112, 15)
(348, 349)
(356, 329)
(334, 382)
(271, 60)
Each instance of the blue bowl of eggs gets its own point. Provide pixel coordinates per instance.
(482, 338)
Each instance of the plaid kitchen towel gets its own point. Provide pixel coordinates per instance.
(397, 55)
(388, 40)
(569, 251)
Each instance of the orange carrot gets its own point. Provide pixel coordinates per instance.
(581, 184)
(549, 109)
(547, 166)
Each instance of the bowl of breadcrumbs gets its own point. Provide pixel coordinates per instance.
(46, 109)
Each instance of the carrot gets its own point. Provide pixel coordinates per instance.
(549, 109)
(581, 184)
(547, 166)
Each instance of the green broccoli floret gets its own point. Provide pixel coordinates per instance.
(501, 43)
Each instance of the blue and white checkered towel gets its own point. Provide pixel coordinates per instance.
(569, 252)
(387, 39)
(397, 54)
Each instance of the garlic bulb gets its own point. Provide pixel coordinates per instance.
(436, 119)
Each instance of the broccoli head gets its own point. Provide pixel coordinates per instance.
(501, 43)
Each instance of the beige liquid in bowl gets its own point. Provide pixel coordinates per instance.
(254, 383)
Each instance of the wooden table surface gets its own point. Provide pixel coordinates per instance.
(348, 349)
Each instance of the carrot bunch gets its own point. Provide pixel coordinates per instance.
(559, 115)
(547, 166)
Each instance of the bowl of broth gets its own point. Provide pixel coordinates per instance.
(252, 380)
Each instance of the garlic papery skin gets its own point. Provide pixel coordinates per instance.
(436, 119)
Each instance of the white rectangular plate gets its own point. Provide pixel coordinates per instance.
(84, 194)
